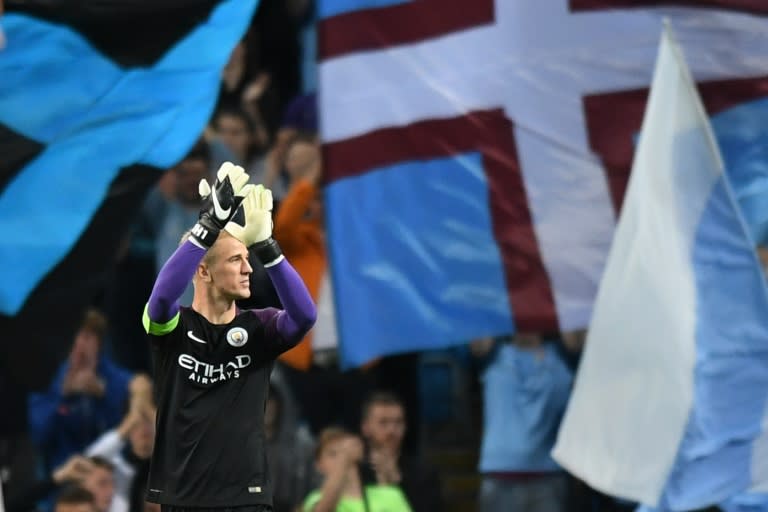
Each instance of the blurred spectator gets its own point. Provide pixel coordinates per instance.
(129, 449)
(247, 87)
(268, 169)
(300, 118)
(234, 77)
(85, 399)
(526, 386)
(299, 231)
(273, 47)
(339, 454)
(254, 101)
(327, 395)
(290, 449)
(73, 471)
(383, 427)
(100, 482)
(399, 374)
(236, 131)
(75, 499)
(179, 208)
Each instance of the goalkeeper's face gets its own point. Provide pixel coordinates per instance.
(227, 269)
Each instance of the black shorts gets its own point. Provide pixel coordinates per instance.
(245, 508)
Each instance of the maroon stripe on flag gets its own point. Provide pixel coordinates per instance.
(750, 6)
(489, 133)
(614, 118)
(382, 27)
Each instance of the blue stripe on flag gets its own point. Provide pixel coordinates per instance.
(95, 119)
(426, 275)
(731, 376)
(742, 133)
(328, 8)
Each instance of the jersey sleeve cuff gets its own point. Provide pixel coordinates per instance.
(156, 328)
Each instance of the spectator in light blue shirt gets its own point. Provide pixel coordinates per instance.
(526, 386)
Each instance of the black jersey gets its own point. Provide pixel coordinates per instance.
(211, 383)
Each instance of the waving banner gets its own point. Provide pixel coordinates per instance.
(477, 153)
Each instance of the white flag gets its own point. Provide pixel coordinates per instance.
(669, 402)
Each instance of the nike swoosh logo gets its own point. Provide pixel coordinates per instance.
(220, 212)
(191, 335)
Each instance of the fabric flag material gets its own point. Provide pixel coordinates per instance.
(669, 405)
(476, 159)
(94, 102)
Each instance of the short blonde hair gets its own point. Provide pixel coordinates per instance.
(330, 435)
(208, 258)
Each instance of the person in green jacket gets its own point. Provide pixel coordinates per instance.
(338, 458)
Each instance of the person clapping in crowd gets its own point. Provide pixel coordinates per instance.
(128, 447)
(339, 454)
(86, 398)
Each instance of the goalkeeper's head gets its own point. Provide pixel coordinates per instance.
(224, 271)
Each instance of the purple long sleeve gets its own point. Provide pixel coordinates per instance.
(299, 311)
(173, 280)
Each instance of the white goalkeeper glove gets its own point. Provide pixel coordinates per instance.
(220, 202)
(252, 225)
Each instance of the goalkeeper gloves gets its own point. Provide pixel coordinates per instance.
(252, 225)
(220, 203)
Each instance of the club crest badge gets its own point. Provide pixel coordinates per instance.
(237, 336)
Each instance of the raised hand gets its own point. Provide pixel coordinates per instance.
(220, 202)
(253, 222)
(75, 469)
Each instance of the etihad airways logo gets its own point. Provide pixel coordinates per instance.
(206, 373)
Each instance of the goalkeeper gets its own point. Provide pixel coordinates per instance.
(213, 361)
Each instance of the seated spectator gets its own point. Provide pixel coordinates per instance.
(100, 482)
(383, 427)
(526, 385)
(85, 399)
(75, 499)
(129, 449)
(339, 454)
(290, 449)
(72, 472)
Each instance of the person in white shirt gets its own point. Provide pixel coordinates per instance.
(129, 448)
